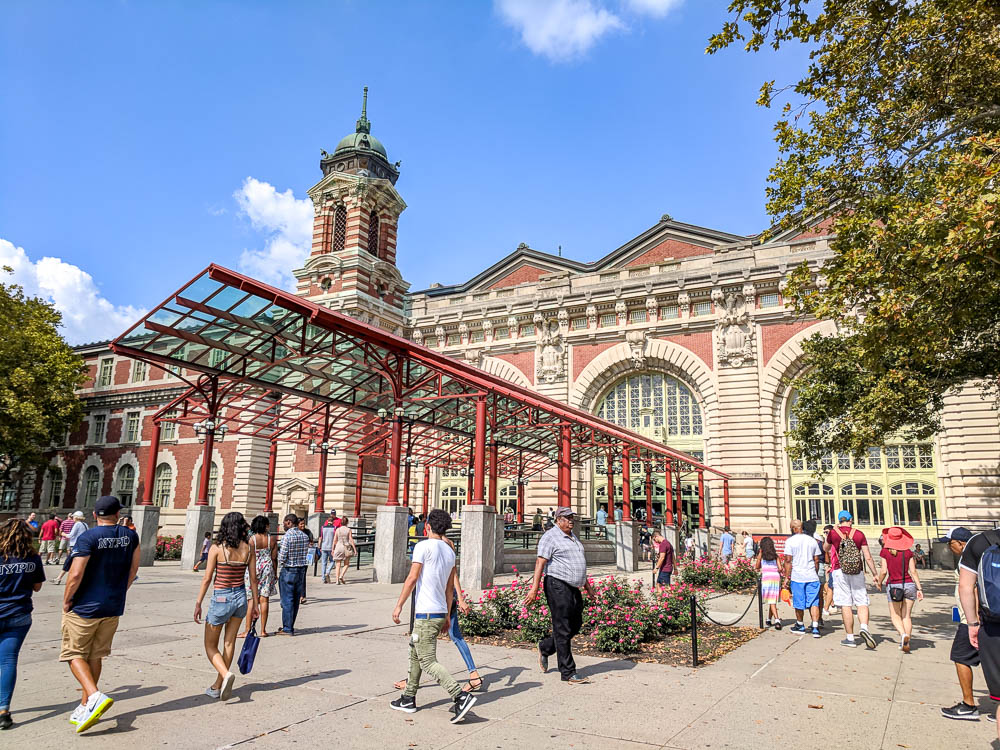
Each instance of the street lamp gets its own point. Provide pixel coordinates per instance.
(202, 429)
(323, 447)
(411, 461)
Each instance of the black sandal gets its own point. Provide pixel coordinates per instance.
(477, 687)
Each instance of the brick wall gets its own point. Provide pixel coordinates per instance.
(698, 343)
(775, 336)
(523, 361)
(669, 249)
(522, 275)
(583, 355)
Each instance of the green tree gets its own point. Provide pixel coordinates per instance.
(894, 130)
(39, 374)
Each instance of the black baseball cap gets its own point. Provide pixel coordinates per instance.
(958, 534)
(107, 506)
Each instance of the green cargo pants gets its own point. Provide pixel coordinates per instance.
(423, 657)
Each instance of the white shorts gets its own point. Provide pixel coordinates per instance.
(849, 591)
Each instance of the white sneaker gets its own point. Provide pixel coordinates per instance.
(227, 686)
(212, 692)
(97, 704)
(826, 613)
(78, 712)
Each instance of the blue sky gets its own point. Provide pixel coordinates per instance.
(142, 140)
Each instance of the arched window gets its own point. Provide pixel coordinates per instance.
(163, 485)
(213, 483)
(373, 243)
(125, 484)
(8, 496)
(91, 485)
(339, 228)
(864, 501)
(55, 487)
(913, 504)
(815, 500)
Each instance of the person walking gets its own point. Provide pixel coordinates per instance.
(982, 622)
(963, 654)
(311, 553)
(292, 575)
(726, 542)
(748, 550)
(206, 545)
(79, 527)
(343, 549)
(32, 521)
(903, 587)
(849, 553)
(264, 555)
(537, 520)
(64, 531)
(228, 563)
(801, 568)
(432, 573)
(21, 575)
(664, 565)
(105, 560)
(47, 537)
(561, 559)
(602, 516)
(766, 563)
(689, 547)
(326, 546)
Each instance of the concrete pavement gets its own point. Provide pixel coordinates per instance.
(332, 683)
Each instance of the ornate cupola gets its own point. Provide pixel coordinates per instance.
(359, 151)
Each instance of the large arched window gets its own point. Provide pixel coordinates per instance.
(339, 228)
(163, 485)
(373, 244)
(125, 484)
(858, 484)
(91, 485)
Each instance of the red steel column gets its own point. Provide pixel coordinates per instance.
(626, 487)
(701, 499)
(520, 502)
(649, 493)
(206, 467)
(494, 494)
(611, 488)
(427, 488)
(395, 449)
(725, 500)
(668, 500)
(272, 459)
(479, 454)
(680, 500)
(321, 486)
(357, 486)
(406, 484)
(563, 465)
(154, 449)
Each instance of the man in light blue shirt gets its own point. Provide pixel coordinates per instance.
(727, 545)
(619, 514)
(602, 516)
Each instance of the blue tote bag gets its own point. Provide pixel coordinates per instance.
(249, 652)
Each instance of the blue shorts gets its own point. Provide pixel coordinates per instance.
(805, 595)
(226, 604)
(663, 579)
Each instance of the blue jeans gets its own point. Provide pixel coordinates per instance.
(12, 632)
(291, 587)
(455, 633)
(328, 563)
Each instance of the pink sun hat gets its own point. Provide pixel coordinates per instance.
(897, 538)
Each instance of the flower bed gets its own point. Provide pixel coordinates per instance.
(709, 572)
(169, 547)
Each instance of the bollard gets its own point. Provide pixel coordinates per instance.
(413, 605)
(694, 630)
(760, 604)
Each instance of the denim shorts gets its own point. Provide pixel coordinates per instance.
(227, 604)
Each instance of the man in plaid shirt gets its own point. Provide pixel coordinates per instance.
(292, 577)
(561, 558)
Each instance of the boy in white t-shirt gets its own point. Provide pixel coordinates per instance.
(432, 575)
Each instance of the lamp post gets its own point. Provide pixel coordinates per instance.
(324, 449)
(408, 462)
(206, 432)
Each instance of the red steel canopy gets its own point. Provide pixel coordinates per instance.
(263, 362)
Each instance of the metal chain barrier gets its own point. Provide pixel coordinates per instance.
(696, 606)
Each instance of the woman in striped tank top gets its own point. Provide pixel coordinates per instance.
(227, 563)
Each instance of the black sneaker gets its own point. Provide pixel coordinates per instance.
(577, 679)
(992, 718)
(405, 703)
(543, 660)
(868, 638)
(463, 703)
(5, 721)
(961, 710)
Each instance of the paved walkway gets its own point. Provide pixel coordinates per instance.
(331, 684)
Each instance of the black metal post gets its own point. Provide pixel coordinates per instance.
(413, 605)
(760, 604)
(694, 631)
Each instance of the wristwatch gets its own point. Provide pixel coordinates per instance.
(973, 624)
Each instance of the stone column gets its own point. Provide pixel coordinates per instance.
(478, 547)
(197, 520)
(147, 522)
(391, 533)
(627, 546)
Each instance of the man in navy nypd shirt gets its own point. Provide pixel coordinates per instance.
(105, 561)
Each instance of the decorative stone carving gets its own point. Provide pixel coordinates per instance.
(418, 336)
(592, 316)
(821, 283)
(734, 331)
(636, 341)
(439, 333)
(652, 306)
(683, 300)
(463, 330)
(475, 357)
(621, 310)
(563, 317)
(750, 296)
(512, 324)
(488, 328)
(550, 353)
(538, 319)
(783, 285)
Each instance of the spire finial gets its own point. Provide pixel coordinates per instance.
(363, 125)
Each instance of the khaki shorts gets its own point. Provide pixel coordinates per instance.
(86, 638)
(47, 546)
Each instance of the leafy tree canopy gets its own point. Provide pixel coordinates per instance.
(39, 374)
(894, 129)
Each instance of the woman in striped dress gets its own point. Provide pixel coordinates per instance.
(770, 579)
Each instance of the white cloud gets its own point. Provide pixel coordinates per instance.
(86, 315)
(655, 8)
(558, 29)
(286, 222)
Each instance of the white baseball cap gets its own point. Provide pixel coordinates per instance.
(78, 514)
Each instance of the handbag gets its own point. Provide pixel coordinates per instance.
(249, 650)
(897, 592)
